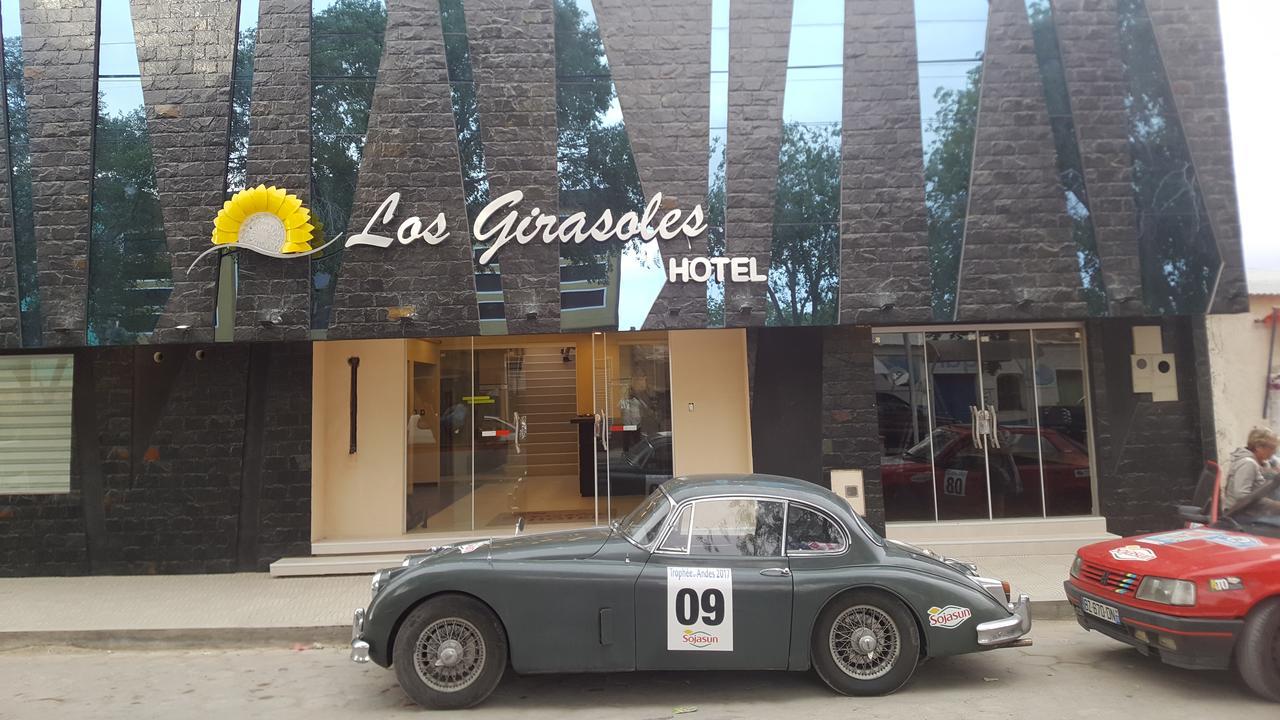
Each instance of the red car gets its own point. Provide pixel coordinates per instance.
(1200, 597)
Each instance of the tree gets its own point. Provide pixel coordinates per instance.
(24, 230)
(947, 168)
(129, 271)
(804, 272)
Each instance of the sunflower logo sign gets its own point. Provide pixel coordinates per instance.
(267, 220)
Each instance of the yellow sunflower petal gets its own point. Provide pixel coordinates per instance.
(233, 210)
(297, 219)
(290, 248)
(226, 223)
(290, 205)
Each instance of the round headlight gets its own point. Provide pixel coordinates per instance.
(379, 580)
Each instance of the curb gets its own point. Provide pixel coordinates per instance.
(248, 637)
(177, 639)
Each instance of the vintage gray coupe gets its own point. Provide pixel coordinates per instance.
(715, 572)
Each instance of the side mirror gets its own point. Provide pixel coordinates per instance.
(520, 525)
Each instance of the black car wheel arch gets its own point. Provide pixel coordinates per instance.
(910, 642)
(395, 629)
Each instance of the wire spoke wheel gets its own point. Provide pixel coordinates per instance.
(865, 642)
(449, 655)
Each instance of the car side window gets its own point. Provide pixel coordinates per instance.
(678, 539)
(808, 531)
(741, 527)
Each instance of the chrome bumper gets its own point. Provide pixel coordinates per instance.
(359, 648)
(1000, 632)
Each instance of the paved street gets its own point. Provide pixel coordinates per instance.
(1067, 674)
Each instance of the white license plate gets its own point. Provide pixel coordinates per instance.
(1098, 610)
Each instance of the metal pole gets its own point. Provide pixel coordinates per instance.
(1271, 352)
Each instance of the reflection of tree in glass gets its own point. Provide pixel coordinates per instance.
(241, 97)
(596, 168)
(346, 48)
(1180, 259)
(24, 230)
(1067, 152)
(947, 166)
(715, 225)
(804, 270)
(129, 272)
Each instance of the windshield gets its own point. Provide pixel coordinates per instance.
(941, 438)
(644, 523)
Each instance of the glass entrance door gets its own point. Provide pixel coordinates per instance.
(979, 424)
(631, 402)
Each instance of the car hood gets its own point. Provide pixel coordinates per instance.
(1183, 553)
(899, 549)
(559, 545)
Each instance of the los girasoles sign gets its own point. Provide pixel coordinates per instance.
(254, 219)
(500, 223)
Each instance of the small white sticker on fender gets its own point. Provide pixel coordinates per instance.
(700, 609)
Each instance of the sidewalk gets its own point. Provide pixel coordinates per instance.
(143, 607)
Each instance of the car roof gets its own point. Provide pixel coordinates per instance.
(688, 487)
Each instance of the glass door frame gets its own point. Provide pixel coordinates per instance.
(977, 330)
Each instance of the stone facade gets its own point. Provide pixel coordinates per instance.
(1090, 45)
(411, 148)
(273, 301)
(1190, 42)
(157, 481)
(850, 423)
(513, 60)
(185, 52)
(884, 238)
(1148, 454)
(759, 39)
(1018, 260)
(669, 140)
(59, 52)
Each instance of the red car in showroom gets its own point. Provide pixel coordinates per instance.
(1205, 597)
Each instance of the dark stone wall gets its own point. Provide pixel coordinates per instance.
(412, 148)
(59, 44)
(280, 155)
(1190, 41)
(1089, 40)
(1019, 260)
(512, 44)
(185, 51)
(668, 139)
(159, 477)
(1148, 454)
(884, 238)
(850, 425)
(786, 403)
(759, 38)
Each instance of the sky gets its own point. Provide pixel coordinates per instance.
(1249, 30)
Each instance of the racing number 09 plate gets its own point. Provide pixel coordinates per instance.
(1100, 611)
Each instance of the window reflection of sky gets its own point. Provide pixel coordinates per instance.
(10, 17)
(950, 38)
(119, 82)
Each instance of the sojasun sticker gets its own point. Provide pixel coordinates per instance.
(700, 609)
(948, 617)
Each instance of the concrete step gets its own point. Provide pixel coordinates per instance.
(918, 532)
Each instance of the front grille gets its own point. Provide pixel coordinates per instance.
(1117, 581)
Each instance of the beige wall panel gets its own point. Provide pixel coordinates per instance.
(358, 495)
(1238, 346)
(709, 369)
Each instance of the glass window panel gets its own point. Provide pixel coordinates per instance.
(1008, 391)
(719, 101)
(20, 174)
(1179, 255)
(457, 57)
(902, 407)
(492, 311)
(819, 43)
(1064, 422)
(741, 528)
(443, 446)
(808, 531)
(717, 151)
(677, 539)
(579, 299)
(488, 282)
(720, 48)
(959, 464)
(814, 95)
(35, 422)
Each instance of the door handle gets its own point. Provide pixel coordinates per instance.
(776, 572)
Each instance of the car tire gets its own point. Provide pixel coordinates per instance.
(865, 642)
(450, 653)
(1258, 650)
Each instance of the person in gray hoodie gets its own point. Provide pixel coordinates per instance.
(1251, 467)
